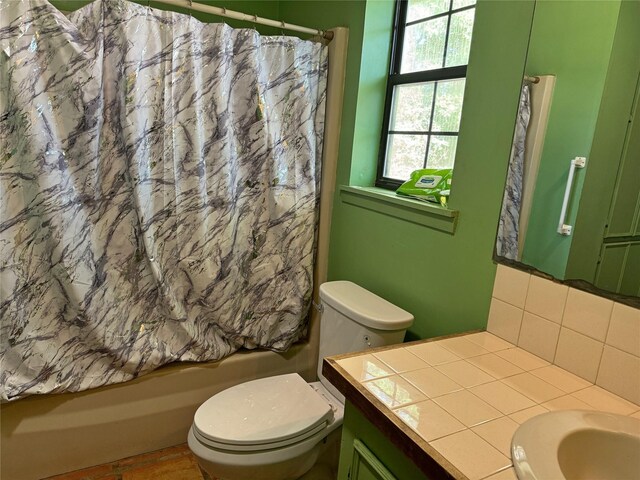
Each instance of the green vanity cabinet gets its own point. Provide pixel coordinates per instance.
(366, 454)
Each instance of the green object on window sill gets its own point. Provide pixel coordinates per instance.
(388, 203)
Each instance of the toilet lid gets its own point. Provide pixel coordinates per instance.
(266, 413)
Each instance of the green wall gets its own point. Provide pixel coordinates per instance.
(573, 41)
(444, 280)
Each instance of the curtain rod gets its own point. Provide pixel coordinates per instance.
(223, 12)
(531, 79)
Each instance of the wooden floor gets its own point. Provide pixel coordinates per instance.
(173, 463)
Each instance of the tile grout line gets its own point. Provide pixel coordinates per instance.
(604, 342)
(470, 429)
(520, 326)
(525, 304)
(498, 471)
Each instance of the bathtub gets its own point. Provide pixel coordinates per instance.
(51, 434)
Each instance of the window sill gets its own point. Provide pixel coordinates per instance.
(388, 203)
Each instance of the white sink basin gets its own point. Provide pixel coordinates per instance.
(577, 445)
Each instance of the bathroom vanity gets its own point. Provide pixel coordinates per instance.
(448, 407)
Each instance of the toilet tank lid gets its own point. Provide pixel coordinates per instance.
(364, 307)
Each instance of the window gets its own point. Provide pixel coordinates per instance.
(425, 87)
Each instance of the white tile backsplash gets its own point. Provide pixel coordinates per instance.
(511, 286)
(620, 372)
(504, 320)
(588, 314)
(546, 298)
(539, 336)
(579, 354)
(590, 336)
(624, 330)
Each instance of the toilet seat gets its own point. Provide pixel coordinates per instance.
(235, 419)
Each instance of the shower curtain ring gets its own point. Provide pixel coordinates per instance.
(255, 22)
(190, 7)
(282, 27)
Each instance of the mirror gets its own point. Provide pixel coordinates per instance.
(571, 207)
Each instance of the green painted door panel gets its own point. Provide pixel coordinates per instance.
(630, 284)
(626, 198)
(619, 268)
(611, 266)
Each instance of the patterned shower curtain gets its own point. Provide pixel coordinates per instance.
(508, 226)
(159, 189)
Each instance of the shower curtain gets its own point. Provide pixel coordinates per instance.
(508, 225)
(159, 189)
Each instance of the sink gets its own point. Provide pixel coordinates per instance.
(577, 445)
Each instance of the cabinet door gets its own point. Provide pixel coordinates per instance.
(366, 466)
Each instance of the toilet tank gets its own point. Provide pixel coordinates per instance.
(354, 319)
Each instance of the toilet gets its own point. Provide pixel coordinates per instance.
(275, 428)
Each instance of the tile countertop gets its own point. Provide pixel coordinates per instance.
(452, 404)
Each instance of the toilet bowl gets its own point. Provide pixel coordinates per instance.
(275, 428)
(246, 443)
